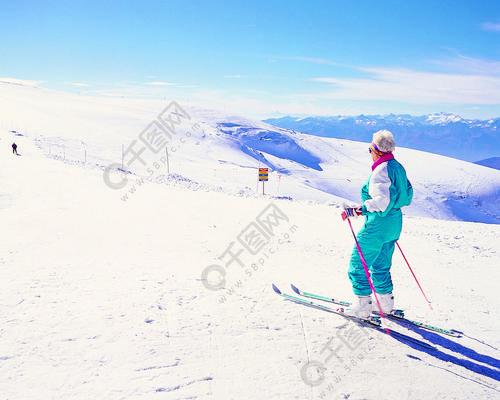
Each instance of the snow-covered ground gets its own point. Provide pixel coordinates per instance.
(106, 298)
(223, 153)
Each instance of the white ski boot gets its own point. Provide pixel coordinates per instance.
(386, 302)
(362, 308)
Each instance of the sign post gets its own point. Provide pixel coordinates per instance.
(263, 177)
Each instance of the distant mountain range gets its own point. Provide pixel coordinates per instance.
(441, 133)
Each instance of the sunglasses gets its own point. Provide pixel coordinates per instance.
(374, 149)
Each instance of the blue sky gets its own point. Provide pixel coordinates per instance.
(264, 58)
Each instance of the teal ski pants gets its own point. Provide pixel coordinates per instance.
(377, 239)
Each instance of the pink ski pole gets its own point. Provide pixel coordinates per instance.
(367, 272)
(414, 276)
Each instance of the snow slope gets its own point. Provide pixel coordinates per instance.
(493, 162)
(223, 152)
(104, 299)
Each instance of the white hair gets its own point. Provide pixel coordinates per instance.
(384, 141)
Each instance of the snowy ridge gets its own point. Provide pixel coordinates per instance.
(226, 150)
(443, 118)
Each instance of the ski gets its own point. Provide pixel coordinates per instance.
(318, 297)
(374, 321)
(423, 325)
(395, 314)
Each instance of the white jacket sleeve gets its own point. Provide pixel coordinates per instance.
(379, 190)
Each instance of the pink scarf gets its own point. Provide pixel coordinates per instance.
(384, 158)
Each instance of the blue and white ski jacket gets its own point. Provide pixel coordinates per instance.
(387, 189)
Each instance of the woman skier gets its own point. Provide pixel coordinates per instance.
(386, 191)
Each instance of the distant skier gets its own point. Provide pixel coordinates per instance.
(386, 191)
(14, 149)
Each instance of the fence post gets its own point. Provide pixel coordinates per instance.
(168, 162)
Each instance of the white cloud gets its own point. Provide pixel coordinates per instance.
(23, 82)
(77, 84)
(491, 26)
(312, 60)
(470, 65)
(459, 84)
(159, 83)
(417, 87)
